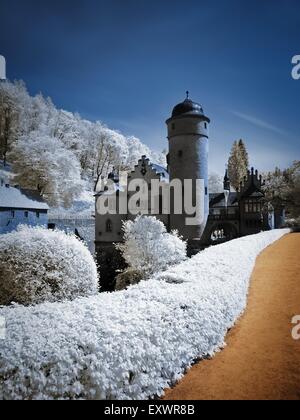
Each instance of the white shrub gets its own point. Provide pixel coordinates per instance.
(38, 265)
(149, 248)
(130, 344)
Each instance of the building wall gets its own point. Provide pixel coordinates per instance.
(147, 178)
(110, 260)
(105, 235)
(9, 221)
(251, 223)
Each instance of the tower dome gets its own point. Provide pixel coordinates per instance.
(187, 107)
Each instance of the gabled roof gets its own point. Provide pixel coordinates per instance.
(17, 198)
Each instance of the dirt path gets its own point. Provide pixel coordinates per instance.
(261, 360)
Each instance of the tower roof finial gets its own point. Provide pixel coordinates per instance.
(187, 94)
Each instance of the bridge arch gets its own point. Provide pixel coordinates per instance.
(222, 232)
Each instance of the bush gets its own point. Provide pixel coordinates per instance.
(133, 344)
(148, 247)
(128, 278)
(38, 265)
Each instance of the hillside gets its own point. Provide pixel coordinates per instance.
(58, 152)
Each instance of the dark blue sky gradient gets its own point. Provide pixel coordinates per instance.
(128, 62)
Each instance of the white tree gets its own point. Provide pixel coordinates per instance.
(136, 149)
(215, 183)
(282, 188)
(149, 248)
(43, 164)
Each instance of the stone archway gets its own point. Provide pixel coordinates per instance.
(222, 232)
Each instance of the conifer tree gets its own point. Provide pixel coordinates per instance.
(238, 163)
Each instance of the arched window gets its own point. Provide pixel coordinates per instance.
(109, 226)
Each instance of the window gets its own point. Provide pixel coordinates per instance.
(206, 190)
(173, 126)
(180, 153)
(13, 214)
(26, 214)
(205, 126)
(38, 214)
(109, 226)
(252, 206)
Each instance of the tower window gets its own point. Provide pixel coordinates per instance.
(206, 190)
(109, 226)
(205, 125)
(180, 153)
(173, 126)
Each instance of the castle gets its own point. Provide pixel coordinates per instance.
(227, 215)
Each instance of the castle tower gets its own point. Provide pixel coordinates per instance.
(188, 136)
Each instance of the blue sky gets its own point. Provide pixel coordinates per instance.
(128, 62)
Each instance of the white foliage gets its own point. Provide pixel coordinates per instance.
(149, 248)
(38, 265)
(56, 171)
(136, 149)
(215, 183)
(131, 344)
(72, 149)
